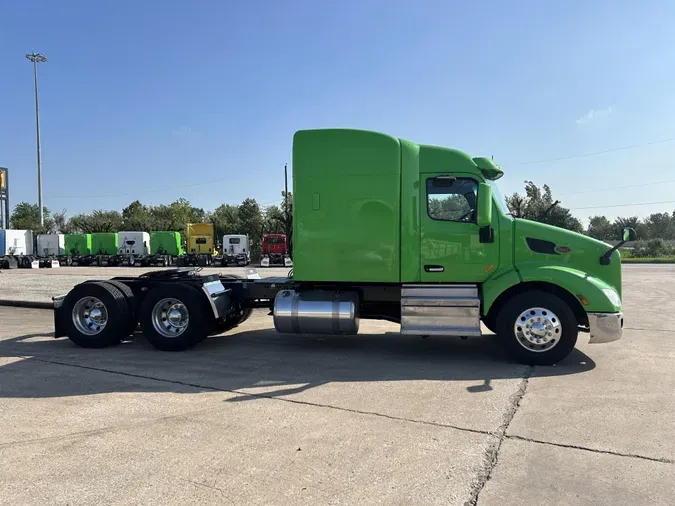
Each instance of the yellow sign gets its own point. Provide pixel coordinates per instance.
(3, 179)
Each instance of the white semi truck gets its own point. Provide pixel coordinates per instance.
(236, 250)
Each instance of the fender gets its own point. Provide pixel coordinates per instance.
(586, 288)
(496, 285)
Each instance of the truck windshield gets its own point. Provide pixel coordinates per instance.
(499, 198)
(274, 240)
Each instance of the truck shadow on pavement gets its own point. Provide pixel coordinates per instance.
(252, 363)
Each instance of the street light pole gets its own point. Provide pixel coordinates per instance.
(36, 58)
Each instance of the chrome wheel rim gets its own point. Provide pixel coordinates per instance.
(538, 329)
(89, 316)
(170, 317)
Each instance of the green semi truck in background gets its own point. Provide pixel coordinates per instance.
(384, 229)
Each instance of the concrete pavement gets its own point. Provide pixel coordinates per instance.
(40, 285)
(257, 418)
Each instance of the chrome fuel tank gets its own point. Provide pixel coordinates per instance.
(316, 312)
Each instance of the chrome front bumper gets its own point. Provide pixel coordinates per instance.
(605, 327)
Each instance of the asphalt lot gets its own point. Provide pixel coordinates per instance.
(258, 418)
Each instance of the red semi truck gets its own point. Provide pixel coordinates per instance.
(275, 251)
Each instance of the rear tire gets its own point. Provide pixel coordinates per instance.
(131, 304)
(237, 319)
(97, 315)
(175, 317)
(537, 328)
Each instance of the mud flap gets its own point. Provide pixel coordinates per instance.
(59, 310)
(265, 262)
(288, 262)
(252, 274)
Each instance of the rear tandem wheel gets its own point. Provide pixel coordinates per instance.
(175, 317)
(96, 315)
(132, 321)
(238, 318)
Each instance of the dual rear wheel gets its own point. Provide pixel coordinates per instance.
(172, 316)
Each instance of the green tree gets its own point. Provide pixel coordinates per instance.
(26, 216)
(538, 205)
(600, 227)
(273, 220)
(225, 219)
(251, 223)
(98, 221)
(633, 222)
(660, 226)
(163, 220)
(62, 224)
(138, 217)
(173, 217)
(279, 220)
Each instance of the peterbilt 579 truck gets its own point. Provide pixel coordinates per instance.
(384, 229)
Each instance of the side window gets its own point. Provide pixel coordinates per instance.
(452, 199)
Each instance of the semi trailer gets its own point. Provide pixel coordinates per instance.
(384, 229)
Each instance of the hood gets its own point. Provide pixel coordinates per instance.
(536, 243)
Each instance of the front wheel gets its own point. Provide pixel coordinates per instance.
(537, 328)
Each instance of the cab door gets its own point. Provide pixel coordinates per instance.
(454, 249)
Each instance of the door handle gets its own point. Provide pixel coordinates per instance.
(434, 268)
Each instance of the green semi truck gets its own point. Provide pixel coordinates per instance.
(384, 229)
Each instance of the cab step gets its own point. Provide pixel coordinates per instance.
(448, 310)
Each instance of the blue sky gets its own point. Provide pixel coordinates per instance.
(156, 100)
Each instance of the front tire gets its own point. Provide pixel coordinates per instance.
(175, 317)
(537, 328)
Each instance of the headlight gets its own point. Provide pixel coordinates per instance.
(613, 296)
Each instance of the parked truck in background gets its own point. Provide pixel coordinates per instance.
(78, 247)
(165, 248)
(104, 249)
(200, 245)
(134, 247)
(275, 251)
(383, 229)
(16, 248)
(50, 247)
(236, 250)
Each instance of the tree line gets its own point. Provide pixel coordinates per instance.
(536, 203)
(247, 218)
(653, 231)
